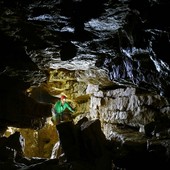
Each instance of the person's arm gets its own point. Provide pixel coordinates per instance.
(70, 108)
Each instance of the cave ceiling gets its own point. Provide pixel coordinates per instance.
(102, 42)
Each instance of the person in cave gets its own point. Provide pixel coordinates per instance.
(61, 111)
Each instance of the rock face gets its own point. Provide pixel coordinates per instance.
(84, 146)
(12, 147)
(131, 107)
(85, 143)
(109, 57)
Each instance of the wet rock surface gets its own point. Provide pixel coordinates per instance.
(109, 57)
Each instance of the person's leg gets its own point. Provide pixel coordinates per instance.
(58, 120)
